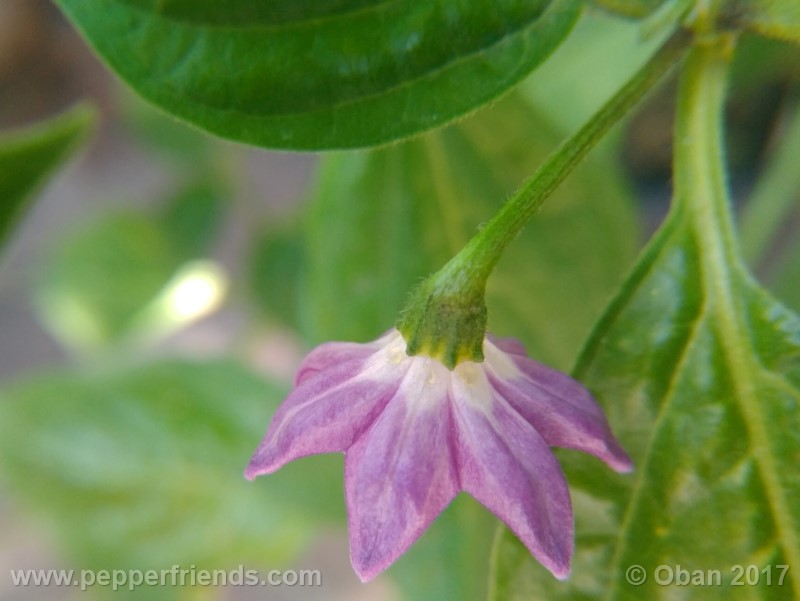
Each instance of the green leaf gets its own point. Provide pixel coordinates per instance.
(143, 467)
(699, 371)
(775, 18)
(28, 156)
(383, 219)
(316, 74)
(173, 140)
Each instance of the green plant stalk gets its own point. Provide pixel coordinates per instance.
(485, 249)
(446, 314)
(700, 182)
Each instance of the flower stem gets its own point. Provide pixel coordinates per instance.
(446, 315)
(485, 249)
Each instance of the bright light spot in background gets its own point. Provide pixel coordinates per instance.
(196, 290)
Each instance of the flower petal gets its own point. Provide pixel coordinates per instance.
(330, 354)
(507, 345)
(561, 410)
(328, 411)
(401, 474)
(508, 467)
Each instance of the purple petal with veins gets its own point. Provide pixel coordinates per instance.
(328, 410)
(505, 464)
(331, 354)
(401, 474)
(560, 409)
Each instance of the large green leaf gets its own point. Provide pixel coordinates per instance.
(382, 220)
(182, 145)
(317, 74)
(27, 157)
(699, 371)
(143, 467)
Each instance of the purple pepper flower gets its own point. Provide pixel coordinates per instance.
(415, 434)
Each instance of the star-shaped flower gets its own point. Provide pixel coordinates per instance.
(416, 433)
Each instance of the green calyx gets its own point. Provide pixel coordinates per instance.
(445, 317)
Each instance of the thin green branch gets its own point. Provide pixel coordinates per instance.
(485, 249)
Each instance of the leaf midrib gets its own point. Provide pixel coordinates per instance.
(721, 276)
(745, 373)
(701, 174)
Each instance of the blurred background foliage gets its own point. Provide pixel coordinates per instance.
(179, 316)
